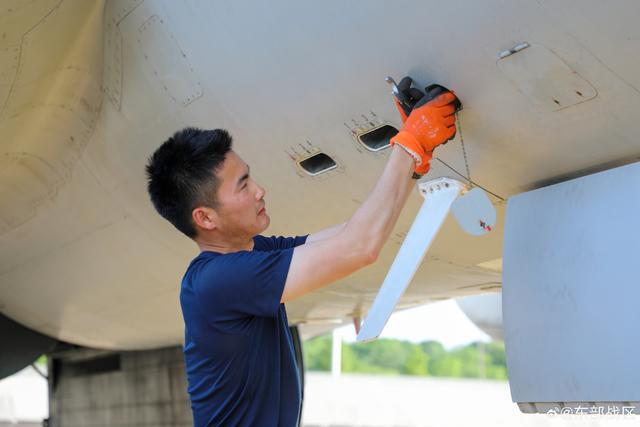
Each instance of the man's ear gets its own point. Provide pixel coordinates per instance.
(205, 218)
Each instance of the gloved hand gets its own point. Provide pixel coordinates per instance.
(428, 121)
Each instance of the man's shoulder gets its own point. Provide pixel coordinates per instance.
(207, 263)
(213, 272)
(271, 243)
(214, 267)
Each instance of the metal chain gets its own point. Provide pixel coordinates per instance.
(464, 151)
(466, 163)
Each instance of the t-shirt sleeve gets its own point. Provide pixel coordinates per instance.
(280, 242)
(248, 283)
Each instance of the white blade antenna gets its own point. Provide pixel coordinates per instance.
(439, 194)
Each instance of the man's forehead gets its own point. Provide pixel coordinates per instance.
(241, 167)
(233, 168)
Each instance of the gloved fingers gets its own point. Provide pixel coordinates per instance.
(450, 133)
(447, 110)
(449, 121)
(424, 167)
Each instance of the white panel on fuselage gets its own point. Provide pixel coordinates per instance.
(570, 292)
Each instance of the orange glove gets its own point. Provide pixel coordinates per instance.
(427, 126)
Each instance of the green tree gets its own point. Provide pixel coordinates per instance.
(384, 353)
(389, 356)
(42, 361)
(495, 351)
(433, 349)
(446, 366)
(472, 363)
(417, 362)
(349, 359)
(495, 372)
(317, 353)
(365, 359)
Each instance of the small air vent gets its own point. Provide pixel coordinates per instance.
(377, 138)
(317, 164)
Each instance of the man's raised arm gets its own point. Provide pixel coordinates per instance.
(359, 242)
(326, 233)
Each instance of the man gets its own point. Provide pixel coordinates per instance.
(238, 349)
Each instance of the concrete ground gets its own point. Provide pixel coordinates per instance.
(373, 400)
(358, 401)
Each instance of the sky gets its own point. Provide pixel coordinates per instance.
(441, 321)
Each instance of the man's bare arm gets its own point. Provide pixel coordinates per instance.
(360, 241)
(323, 261)
(326, 233)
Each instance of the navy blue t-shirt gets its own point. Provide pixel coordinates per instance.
(238, 350)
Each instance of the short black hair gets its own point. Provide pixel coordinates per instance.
(181, 174)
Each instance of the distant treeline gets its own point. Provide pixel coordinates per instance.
(395, 357)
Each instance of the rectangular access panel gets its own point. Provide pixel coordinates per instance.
(571, 294)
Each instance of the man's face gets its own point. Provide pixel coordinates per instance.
(241, 206)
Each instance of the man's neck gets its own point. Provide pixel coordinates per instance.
(224, 247)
